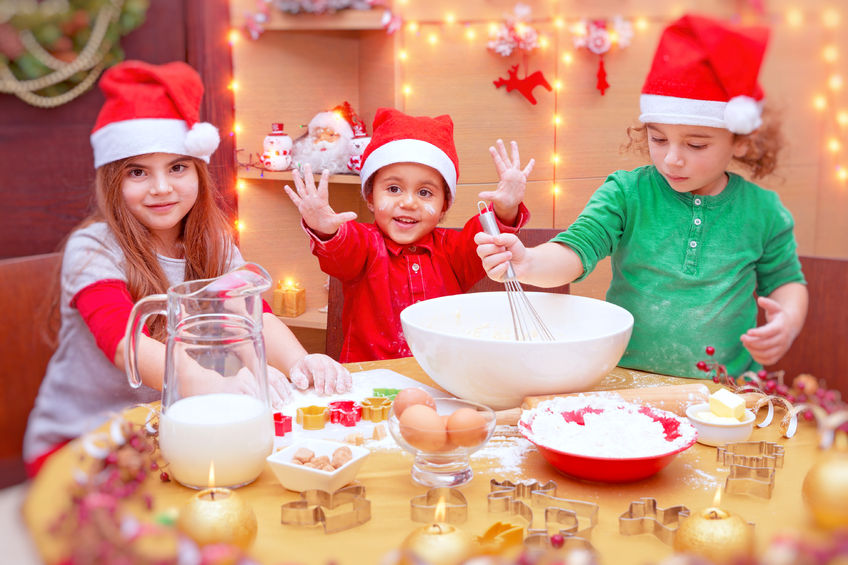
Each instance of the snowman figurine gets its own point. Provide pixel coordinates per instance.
(357, 147)
(277, 149)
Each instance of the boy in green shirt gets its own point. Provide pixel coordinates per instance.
(690, 243)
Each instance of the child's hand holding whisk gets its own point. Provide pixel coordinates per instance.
(512, 182)
(314, 203)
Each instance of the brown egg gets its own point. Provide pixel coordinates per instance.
(410, 396)
(466, 427)
(423, 428)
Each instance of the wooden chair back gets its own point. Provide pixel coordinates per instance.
(25, 285)
(335, 333)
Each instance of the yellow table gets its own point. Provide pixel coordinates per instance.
(692, 479)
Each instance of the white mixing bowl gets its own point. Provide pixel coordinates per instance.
(466, 344)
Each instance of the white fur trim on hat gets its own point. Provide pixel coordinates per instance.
(332, 120)
(410, 151)
(129, 138)
(736, 117)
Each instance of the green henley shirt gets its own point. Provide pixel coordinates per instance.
(686, 266)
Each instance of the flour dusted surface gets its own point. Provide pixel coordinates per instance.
(605, 426)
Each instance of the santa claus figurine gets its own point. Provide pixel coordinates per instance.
(327, 142)
(357, 147)
(277, 149)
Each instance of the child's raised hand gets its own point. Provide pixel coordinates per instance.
(495, 251)
(768, 343)
(325, 374)
(314, 203)
(512, 181)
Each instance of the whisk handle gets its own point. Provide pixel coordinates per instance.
(490, 226)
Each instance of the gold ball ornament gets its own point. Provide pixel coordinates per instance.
(218, 515)
(825, 490)
(439, 544)
(715, 534)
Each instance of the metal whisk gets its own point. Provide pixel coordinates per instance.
(526, 322)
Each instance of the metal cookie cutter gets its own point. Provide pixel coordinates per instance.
(562, 513)
(423, 507)
(376, 408)
(751, 454)
(311, 510)
(282, 424)
(499, 537)
(644, 517)
(312, 417)
(758, 481)
(345, 412)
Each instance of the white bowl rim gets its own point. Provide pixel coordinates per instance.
(404, 318)
(276, 457)
(694, 408)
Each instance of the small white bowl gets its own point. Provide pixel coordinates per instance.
(299, 478)
(711, 433)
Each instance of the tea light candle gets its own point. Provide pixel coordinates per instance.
(218, 515)
(235, 432)
(714, 533)
(439, 543)
(294, 299)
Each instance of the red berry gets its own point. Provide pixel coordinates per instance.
(762, 373)
(710, 350)
(163, 476)
(716, 379)
(702, 365)
(771, 386)
(557, 541)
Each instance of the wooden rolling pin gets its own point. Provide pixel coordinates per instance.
(674, 398)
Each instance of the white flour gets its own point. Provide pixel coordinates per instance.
(605, 426)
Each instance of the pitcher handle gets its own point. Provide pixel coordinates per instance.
(143, 309)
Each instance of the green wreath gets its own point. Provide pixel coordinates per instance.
(52, 51)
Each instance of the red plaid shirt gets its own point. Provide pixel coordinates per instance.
(380, 278)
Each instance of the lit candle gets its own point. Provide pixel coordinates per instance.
(217, 515)
(439, 543)
(714, 533)
(233, 431)
(277, 302)
(294, 299)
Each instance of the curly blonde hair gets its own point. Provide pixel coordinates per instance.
(763, 145)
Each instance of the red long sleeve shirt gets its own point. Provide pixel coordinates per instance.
(380, 278)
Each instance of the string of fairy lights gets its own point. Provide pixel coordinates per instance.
(828, 100)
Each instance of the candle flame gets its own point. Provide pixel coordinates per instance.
(441, 510)
(212, 474)
(289, 283)
(717, 497)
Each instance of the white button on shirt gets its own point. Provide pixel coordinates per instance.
(693, 244)
(697, 202)
(415, 267)
(697, 221)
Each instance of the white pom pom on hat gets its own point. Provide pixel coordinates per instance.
(151, 109)
(705, 73)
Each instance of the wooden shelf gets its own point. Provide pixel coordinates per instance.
(342, 20)
(309, 319)
(258, 174)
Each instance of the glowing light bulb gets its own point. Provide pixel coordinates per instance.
(557, 119)
(240, 225)
(554, 158)
(557, 85)
(835, 82)
(407, 90)
(493, 28)
(241, 185)
(432, 39)
(543, 42)
(641, 23)
(819, 102)
(613, 36)
(412, 26)
(567, 58)
(831, 18)
(470, 33)
(233, 36)
(842, 118)
(237, 127)
(450, 18)
(233, 86)
(795, 17)
(402, 54)
(841, 173)
(555, 189)
(830, 53)
(559, 23)
(833, 145)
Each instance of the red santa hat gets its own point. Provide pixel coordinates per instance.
(399, 138)
(704, 73)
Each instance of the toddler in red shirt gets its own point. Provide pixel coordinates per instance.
(409, 174)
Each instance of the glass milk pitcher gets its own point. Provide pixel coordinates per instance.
(215, 426)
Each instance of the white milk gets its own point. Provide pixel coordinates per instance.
(235, 431)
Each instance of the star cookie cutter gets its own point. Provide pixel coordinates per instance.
(758, 481)
(751, 454)
(645, 517)
(376, 408)
(345, 412)
(561, 513)
(312, 509)
(312, 417)
(282, 424)
(423, 507)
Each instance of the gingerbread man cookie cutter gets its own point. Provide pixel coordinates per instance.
(561, 513)
(312, 509)
(751, 454)
(345, 412)
(423, 507)
(376, 408)
(645, 517)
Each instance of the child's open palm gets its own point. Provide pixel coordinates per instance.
(512, 179)
(313, 202)
(768, 343)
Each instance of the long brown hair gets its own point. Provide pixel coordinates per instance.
(763, 145)
(206, 236)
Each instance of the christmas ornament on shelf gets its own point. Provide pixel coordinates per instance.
(360, 141)
(324, 6)
(327, 141)
(515, 34)
(599, 36)
(277, 149)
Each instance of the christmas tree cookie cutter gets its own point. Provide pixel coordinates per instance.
(314, 508)
(751, 454)
(758, 481)
(561, 513)
(645, 517)
(423, 507)
(312, 417)
(376, 408)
